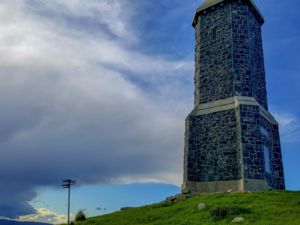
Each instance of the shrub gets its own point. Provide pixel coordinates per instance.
(80, 216)
(221, 212)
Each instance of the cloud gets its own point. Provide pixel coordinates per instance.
(289, 125)
(79, 99)
(44, 216)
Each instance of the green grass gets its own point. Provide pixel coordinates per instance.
(260, 208)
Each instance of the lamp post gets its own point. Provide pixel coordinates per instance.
(67, 184)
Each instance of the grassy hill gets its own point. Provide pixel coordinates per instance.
(261, 208)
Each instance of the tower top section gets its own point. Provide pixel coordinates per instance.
(208, 4)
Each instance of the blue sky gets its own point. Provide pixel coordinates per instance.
(98, 91)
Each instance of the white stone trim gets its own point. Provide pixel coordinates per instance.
(232, 103)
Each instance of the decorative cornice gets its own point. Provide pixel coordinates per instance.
(232, 103)
(211, 3)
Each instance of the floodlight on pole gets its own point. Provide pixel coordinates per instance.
(67, 183)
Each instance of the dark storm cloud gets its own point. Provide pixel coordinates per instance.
(15, 193)
(70, 106)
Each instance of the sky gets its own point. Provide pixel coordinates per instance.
(98, 90)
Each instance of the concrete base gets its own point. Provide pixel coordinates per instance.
(225, 186)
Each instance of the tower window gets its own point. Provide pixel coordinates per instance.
(252, 32)
(267, 159)
(215, 34)
(264, 132)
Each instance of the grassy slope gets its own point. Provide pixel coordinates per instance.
(263, 208)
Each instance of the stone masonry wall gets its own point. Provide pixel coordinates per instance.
(211, 147)
(253, 157)
(220, 145)
(248, 54)
(213, 56)
(229, 54)
(270, 138)
(257, 133)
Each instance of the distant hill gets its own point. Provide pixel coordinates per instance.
(12, 222)
(257, 208)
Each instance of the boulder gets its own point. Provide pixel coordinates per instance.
(201, 206)
(238, 220)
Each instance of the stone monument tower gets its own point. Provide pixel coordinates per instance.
(231, 140)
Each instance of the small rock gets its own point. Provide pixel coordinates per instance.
(238, 220)
(172, 198)
(201, 206)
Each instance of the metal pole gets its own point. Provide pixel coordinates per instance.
(67, 184)
(69, 204)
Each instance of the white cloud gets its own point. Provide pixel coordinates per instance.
(74, 103)
(289, 125)
(4, 218)
(44, 216)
